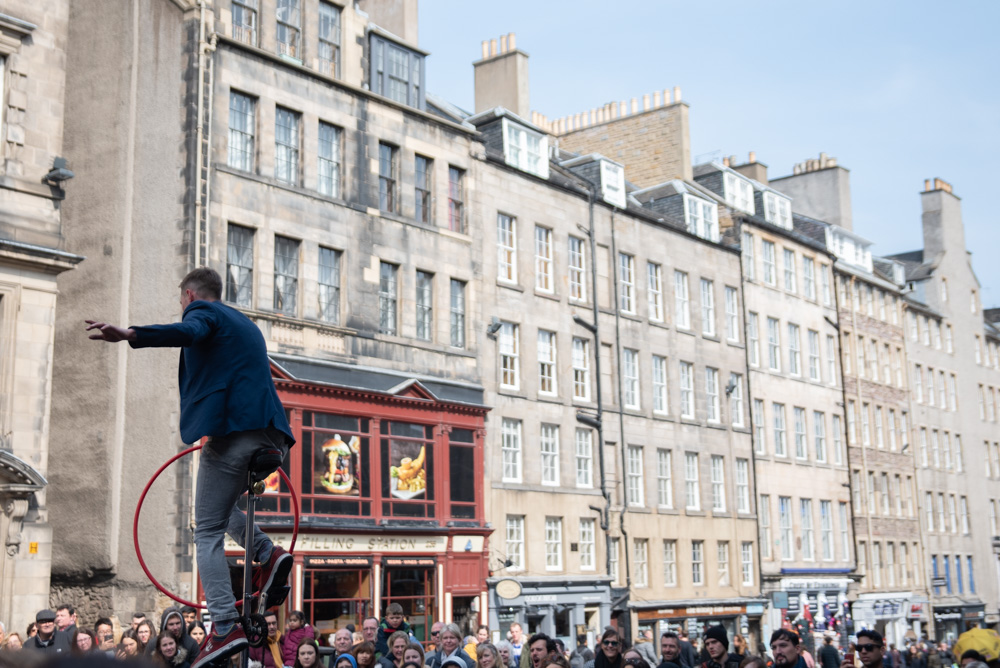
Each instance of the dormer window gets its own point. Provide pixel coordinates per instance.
(613, 183)
(525, 149)
(739, 193)
(778, 210)
(702, 217)
(397, 72)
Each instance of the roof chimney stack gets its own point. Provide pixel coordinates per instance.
(502, 77)
(820, 189)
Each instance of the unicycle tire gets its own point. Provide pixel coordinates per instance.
(255, 627)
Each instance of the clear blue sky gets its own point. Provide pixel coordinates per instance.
(897, 91)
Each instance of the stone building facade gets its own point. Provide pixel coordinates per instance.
(892, 597)
(33, 253)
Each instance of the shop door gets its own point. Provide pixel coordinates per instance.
(412, 584)
(336, 595)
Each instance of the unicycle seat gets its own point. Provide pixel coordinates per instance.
(265, 462)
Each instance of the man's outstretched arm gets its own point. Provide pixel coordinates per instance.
(109, 333)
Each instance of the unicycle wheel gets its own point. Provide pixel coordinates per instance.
(255, 627)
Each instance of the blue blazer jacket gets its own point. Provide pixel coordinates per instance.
(224, 376)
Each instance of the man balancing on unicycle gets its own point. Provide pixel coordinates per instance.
(227, 395)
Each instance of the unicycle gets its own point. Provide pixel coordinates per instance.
(262, 464)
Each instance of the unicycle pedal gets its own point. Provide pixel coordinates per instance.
(255, 627)
(277, 596)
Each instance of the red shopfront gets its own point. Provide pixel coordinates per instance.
(389, 474)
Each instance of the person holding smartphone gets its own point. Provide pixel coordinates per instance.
(871, 649)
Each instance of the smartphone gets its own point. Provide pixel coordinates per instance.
(108, 637)
(849, 657)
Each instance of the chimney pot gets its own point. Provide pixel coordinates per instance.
(927, 185)
(725, 162)
(677, 93)
(656, 99)
(666, 96)
(753, 157)
(493, 47)
(511, 41)
(645, 102)
(635, 105)
(503, 43)
(486, 49)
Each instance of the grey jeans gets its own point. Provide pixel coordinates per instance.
(222, 478)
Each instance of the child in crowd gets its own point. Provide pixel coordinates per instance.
(393, 622)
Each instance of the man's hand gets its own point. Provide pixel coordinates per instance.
(848, 661)
(109, 333)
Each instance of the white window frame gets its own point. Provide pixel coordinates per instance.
(785, 537)
(712, 395)
(801, 433)
(764, 525)
(669, 562)
(577, 261)
(794, 350)
(588, 544)
(732, 315)
(664, 478)
(641, 561)
(654, 290)
(718, 471)
(702, 217)
(778, 210)
(815, 371)
(581, 369)
(525, 149)
(686, 384)
(548, 445)
(819, 436)
(790, 270)
(543, 260)
(692, 484)
(510, 372)
(698, 563)
(635, 493)
(809, 278)
(759, 427)
(826, 529)
(738, 193)
(749, 257)
(626, 283)
(661, 402)
(630, 378)
(515, 542)
(774, 344)
(511, 449)
(506, 248)
(767, 257)
(584, 456)
(736, 399)
(742, 485)
(682, 306)
(707, 307)
(746, 563)
(553, 544)
(780, 442)
(547, 361)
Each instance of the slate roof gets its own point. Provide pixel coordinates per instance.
(913, 262)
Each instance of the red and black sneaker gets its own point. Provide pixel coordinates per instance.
(272, 577)
(217, 649)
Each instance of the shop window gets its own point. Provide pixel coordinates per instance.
(335, 465)
(407, 454)
(411, 583)
(462, 473)
(335, 595)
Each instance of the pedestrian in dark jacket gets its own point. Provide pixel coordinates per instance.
(47, 639)
(829, 657)
(717, 646)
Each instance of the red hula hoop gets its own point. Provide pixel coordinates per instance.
(138, 509)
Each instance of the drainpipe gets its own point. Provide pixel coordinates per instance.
(597, 422)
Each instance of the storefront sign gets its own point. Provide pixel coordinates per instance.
(508, 588)
(755, 609)
(355, 543)
(916, 611)
(540, 598)
(411, 562)
(319, 562)
(801, 583)
(695, 611)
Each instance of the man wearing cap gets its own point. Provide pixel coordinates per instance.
(717, 646)
(48, 639)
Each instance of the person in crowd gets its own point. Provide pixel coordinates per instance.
(608, 652)
(172, 620)
(580, 655)
(557, 660)
(268, 655)
(970, 656)
(644, 646)
(414, 653)
(894, 657)
(915, 658)
(740, 646)
(806, 656)
(392, 623)
(32, 630)
(190, 615)
(717, 647)
(296, 630)
(829, 657)
(343, 641)
(785, 649)
(506, 651)
(469, 645)
(517, 641)
(66, 619)
(197, 632)
(137, 618)
(345, 661)
(632, 659)
(397, 644)
(752, 661)
(13, 642)
(449, 645)
(104, 636)
(364, 653)
(48, 639)
(688, 655)
(870, 648)
(488, 656)
(432, 646)
(539, 647)
(670, 650)
(168, 653)
(369, 630)
(145, 632)
(306, 653)
(128, 647)
(83, 642)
